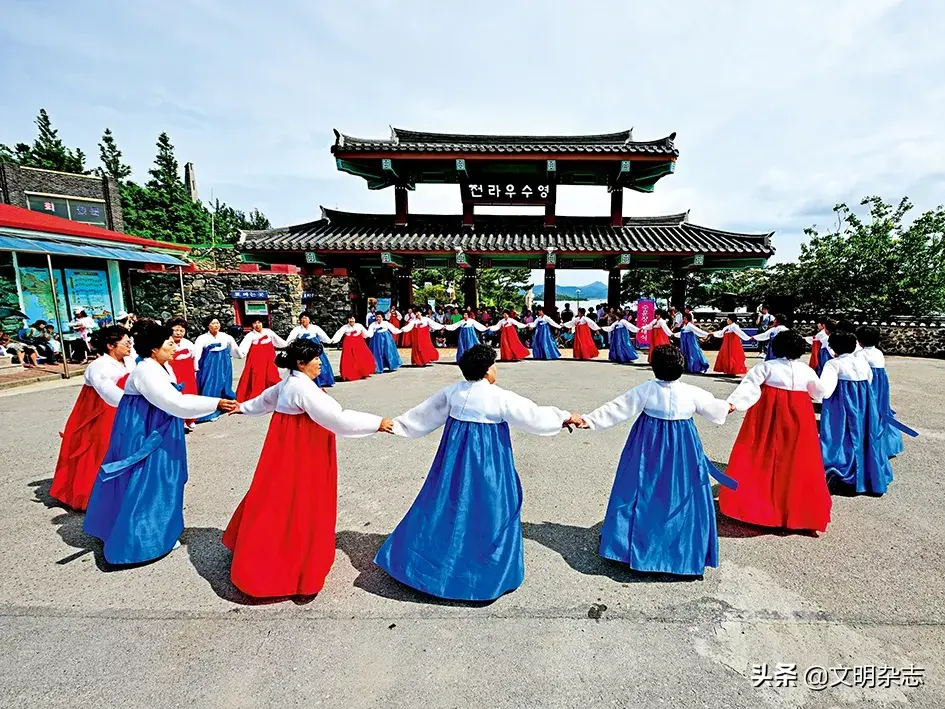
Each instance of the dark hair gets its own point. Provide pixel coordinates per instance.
(782, 319)
(788, 344)
(82, 314)
(845, 326)
(660, 313)
(842, 342)
(506, 312)
(301, 350)
(39, 323)
(868, 335)
(668, 363)
(149, 335)
(830, 325)
(256, 318)
(207, 321)
(110, 335)
(539, 310)
(823, 320)
(687, 316)
(379, 312)
(175, 322)
(476, 361)
(582, 312)
(305, 314)
(733, 317)
(350, 316)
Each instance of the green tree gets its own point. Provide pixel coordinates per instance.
(228, 222)
(502, 287)
(167, 212)
(47, 152)
(110, 156)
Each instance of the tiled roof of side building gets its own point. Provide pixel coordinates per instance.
(404, 141)
(346, 231)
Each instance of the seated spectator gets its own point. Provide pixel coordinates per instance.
(20, 352)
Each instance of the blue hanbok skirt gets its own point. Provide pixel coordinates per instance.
(468, 337)
(851, 439)
(621, 346)
(769, 352)
(215, 376)
(543, 344)
(695, 360)
(385, 352)
(462, 537)
(823, 356)
(661, 514)
(892, 429)
(137, 502)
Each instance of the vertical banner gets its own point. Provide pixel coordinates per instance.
(88, 289)
(646, 311)
(383, 305)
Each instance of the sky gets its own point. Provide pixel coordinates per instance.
(781, 109)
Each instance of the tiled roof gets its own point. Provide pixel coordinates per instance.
(426, 233)
(404, 141)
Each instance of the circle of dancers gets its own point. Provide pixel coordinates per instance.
(123, 455)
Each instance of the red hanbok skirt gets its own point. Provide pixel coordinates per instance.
(731, 359)
(657, 338)
(511, 348)
(282, 535)
(778, 465)
(260, 371)
(357, 362)
(186, 374)
(584, 347)
(815, 354)
(423, 352)
(84, 444)
(407, 338)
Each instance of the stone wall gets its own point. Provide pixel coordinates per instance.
(157, 295)
(918, 337)
(16, 181)
(217, 258)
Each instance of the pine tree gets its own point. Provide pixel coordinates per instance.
(257, 220)
(168, 211)
(110, 156)
(50, 153)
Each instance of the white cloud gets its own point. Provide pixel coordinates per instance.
(781, 109)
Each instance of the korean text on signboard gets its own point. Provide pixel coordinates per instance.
(508, 192)
(249, 294)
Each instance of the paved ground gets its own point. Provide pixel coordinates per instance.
(580, 632)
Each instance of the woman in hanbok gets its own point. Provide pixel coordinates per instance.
(776, 458)
(137, 502)
(543, 342)
(621, 348)
(689, 335)
(422, 351)
(84, 326)
(468, 329)
(660, 333)
(213, 357)
(780, 325)
(731, 357)
(357, 362)
(394, 319)
(260, 372)
(89, 428)
(183, 362)
(306, 330)
(381, 335)
(282, 535)
(584, 347)
(819, 348)
(462, 537)
(407, 335)
(661, 513)
(852, 428)
(868, 338)
(511, 348)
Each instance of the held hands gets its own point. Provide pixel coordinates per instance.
(575, 420)
(228, 405)
(731, 408)
(387, 426)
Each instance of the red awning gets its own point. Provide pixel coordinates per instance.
(19, 218)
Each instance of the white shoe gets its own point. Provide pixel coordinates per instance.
(176, 545)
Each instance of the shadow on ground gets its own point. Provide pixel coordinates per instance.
(578, 547)
(361, 547)
(69, 528)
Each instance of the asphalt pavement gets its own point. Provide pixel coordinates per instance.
(865, 601)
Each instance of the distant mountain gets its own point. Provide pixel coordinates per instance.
(592, 291)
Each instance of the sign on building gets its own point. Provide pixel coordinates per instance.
(508, 191)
